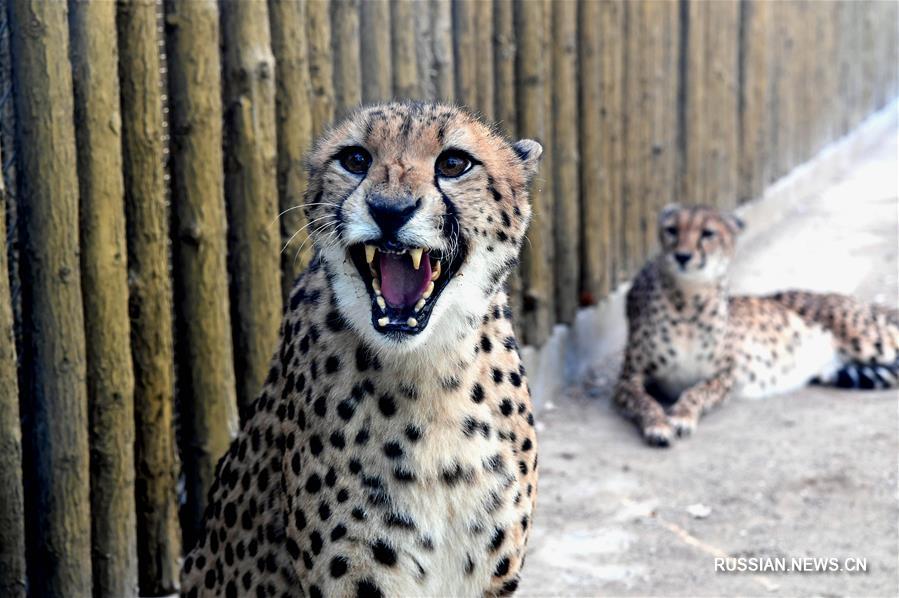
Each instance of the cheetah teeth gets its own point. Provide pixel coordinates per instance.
(419, 305)
(435, 270)
(416, 256)
(412, 322)
(381, 303)
(428, 291)
(370, 251)
(383, 321)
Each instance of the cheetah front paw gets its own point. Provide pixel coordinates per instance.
(684, 424)
(659, 434)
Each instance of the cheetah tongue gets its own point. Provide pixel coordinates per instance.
(401, 284)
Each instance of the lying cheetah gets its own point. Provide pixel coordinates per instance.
(691, 345)
(392, 449)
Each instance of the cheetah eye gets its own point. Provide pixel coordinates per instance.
(671, 231)
(355, 160)
(707, 233)
(452, 164)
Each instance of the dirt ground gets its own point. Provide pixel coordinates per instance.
(809, 474)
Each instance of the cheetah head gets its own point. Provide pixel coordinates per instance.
(417, 212)
(697, 242)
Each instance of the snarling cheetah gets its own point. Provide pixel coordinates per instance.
(691, 345)
(392, 449)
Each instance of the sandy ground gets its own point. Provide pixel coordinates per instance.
(810, 474)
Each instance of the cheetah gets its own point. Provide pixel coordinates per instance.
(392, 450)
(691, 345)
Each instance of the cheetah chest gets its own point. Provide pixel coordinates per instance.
(683, 354)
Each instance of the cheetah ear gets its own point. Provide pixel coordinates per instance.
(669, 211)
(735, 223)
(529, 152)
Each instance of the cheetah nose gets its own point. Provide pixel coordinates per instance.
(391, 213)
(682, 258)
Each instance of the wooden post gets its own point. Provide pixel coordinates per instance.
(754, 99)
(506, 114)
(710, 96)
(661, 64)
(536, 252)
(612, 45)
(105, 289)
(251, 193)
(504, 70)
(636, 134)
(594, 221)
(345, 48)
(424, 48)
(444, 61)
(566, 161)
(58, 505)
(484, 65)
(784, 127)
(465, 52)
(12, 507)
(8, 171)
(209, 410)
(287, 20)
(318, 35)
(377, 69)
(405, 66)
(150, 286)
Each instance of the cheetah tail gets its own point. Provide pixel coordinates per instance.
(864, 376)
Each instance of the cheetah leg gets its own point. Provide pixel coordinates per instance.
(698, 399)
(635, 403)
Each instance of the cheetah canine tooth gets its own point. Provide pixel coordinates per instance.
(416, 256)
(370, 253)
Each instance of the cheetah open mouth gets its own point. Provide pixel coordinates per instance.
(404, 283)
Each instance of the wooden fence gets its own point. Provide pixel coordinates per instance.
(148, 147)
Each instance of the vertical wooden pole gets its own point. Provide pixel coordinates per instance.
(209, 410)
(593, 223)
(251, 193)
(405, 65)
(318, 35)
(784, 129)
(444, 61)
(612, 47)
(12, 506)
(637, 134)
(293, 96)
(536, 254)
(504, 51)
(662, 61)
(566, 161)
(377, 69)
(104, 278)
(464, 52)
(754, 100)
(150, 301)
(424, 49)
(58, 505)
(8, 172)
(711, 103)
(506, 113)
(484, 31)
(347, 75)
(547, 165)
